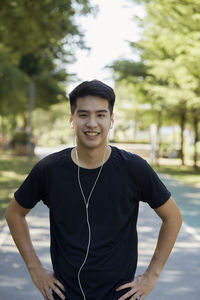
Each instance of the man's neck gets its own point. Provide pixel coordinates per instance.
(91, 158)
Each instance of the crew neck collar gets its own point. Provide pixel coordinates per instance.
(91, 169)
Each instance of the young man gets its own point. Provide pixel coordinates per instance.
(93, 192)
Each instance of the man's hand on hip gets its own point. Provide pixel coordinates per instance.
(140, 287)
(46, 283)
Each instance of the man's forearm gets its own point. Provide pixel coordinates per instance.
(166, 240)
(142, 285)
(20, 233)
(44, 280)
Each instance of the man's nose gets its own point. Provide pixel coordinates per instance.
(91, 122)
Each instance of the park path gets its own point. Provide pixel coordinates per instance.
(179, 279)
(180, 276)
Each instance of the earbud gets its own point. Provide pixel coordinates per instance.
(111, 125)
(72, 125)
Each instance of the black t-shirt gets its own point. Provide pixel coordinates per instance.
(125, 180)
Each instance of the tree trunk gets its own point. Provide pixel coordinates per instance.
(182, 125)
(4, 141)
(30, 126)
(195, 126)
(25, 122)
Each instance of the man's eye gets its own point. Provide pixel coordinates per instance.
(101, 115)
(83, 115)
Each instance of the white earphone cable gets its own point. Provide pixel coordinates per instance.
(87, 215)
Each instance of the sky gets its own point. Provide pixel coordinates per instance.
(106, 34)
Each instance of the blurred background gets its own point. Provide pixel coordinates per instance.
(148, 51)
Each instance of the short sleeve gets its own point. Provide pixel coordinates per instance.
(153, 190)
(32, 189)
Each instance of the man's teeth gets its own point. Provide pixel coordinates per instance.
(92, 133)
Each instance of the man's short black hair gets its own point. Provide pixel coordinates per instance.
(92, 88)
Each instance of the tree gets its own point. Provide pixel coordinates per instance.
(169, 49)
(36, 38)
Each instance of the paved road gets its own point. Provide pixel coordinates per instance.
(179, 279)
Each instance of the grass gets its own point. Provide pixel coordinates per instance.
(13, 171)
(186, 174)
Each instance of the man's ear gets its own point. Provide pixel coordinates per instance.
(112, 118)
(71, 120)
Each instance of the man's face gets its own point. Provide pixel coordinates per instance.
(91, 121)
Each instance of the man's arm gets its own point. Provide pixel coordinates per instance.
(42, 278)
(171, 223)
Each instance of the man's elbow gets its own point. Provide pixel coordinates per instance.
(9, 214)
(178, 219)
(175, 219)
(176, 214)
(14, 211)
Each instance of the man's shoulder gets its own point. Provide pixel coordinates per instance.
(55, 158)
(132, 162)
(129, 156)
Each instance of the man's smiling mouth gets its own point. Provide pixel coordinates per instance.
(89, 133)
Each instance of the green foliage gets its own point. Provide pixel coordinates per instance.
(20, 137)
(13, 89)
(37, 40)
(12, 173)
(129, 70)
(168, 73)
(27, 26)
(51, 127)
